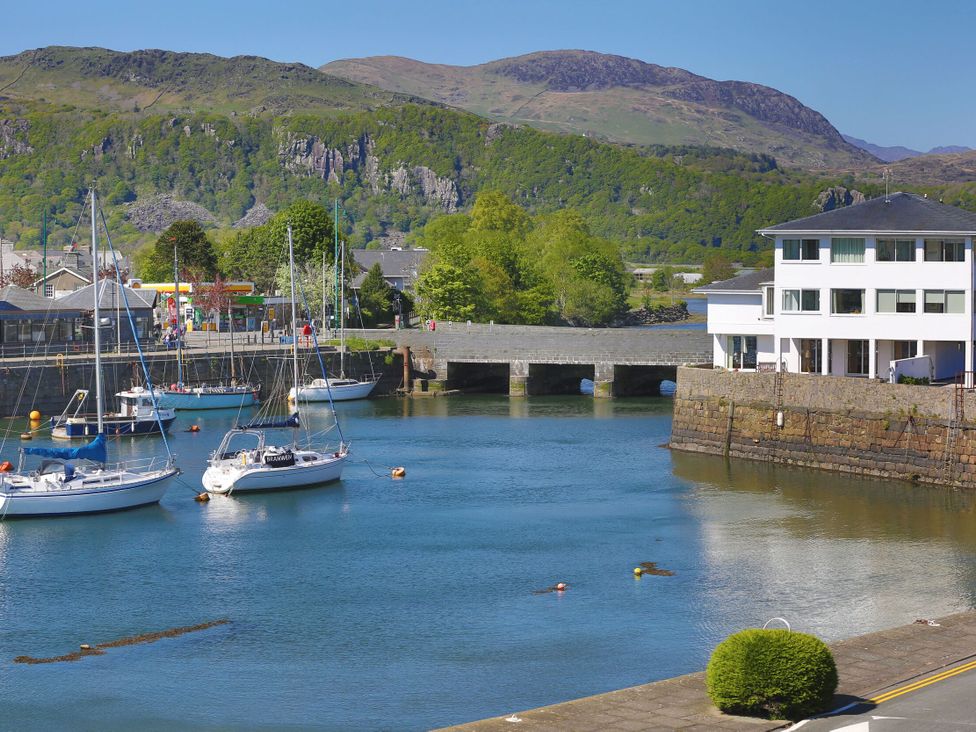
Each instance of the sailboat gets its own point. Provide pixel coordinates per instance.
(265, 466)
(340, 388)
(204, 396)
(59, 487)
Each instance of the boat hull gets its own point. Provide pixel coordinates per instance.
(203, 399)
(340, 392)
(226, 477)
(131, 490)
(87, 426)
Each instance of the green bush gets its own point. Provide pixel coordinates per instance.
(771, 673)
(916, 380)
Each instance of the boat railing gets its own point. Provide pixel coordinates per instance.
(140, 465)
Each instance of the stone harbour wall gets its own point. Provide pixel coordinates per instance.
(856, 426)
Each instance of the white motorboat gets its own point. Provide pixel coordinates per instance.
(139, 414)
(60, 486)
(261, 466)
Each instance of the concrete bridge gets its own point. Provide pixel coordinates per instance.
(525, 360)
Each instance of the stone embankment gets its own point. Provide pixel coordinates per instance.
(858, 426)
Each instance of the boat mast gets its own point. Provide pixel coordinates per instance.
(294, 321)
(230, 323)
(179, 331)
(99, 398)
(342, 315)
(325, 323)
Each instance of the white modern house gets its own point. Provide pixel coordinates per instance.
(880, 289)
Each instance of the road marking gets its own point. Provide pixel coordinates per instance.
(888, 695)
(859, 727)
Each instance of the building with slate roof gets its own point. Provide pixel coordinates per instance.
(111, 302)
(28, 320)
(880, 289)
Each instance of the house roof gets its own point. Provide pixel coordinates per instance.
(748, 282)
(108, 297)
(17, 298)
(62, 270)
(394, 263)
(899, 212)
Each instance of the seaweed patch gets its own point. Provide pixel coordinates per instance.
(652, 568)
(99, 650)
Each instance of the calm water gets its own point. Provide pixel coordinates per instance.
(375, 604)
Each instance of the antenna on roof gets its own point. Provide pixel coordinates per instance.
(887, 179)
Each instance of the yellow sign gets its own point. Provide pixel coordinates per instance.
(271, 313)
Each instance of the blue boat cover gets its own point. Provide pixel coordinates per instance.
(292, 421)
(94, 451)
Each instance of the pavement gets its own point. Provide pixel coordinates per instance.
(885, 666)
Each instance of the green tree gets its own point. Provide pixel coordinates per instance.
(447, 292)
(716, 267)
(251, 255)
(375, 297)
(193, 247)
(662, 279)
(311, 228)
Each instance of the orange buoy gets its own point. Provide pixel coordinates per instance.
(194, 428)
(34, 415)
(561, 586)
(398, 472)
(202, 497)
(6, 466)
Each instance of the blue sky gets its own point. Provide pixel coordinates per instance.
(894, 73)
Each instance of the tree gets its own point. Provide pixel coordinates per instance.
(20, 275)
(111, 272)
(193, 247)
(662, 279)
(447, 292)
(375, 297)
(308, 282)
(311, 229)
(250, 255)
(715, 268)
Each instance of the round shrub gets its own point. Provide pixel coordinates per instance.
(771, 673)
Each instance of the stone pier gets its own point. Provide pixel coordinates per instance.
(519, 381)
(603, 380)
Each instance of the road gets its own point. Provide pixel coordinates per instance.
(937, 703)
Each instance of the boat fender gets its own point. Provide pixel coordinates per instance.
(6, 466)
(398, 472)
(243, 458)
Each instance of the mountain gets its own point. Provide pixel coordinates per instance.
(164, 81)
(897, 152)
(619, 100)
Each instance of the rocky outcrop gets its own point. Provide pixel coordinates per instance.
(13, 138)
(309, 156)
(257, 215)
(655, 315)
(97, 150)
(569, 71)
(158, 212)
(837, 197)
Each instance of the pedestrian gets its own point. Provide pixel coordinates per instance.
(307, 332)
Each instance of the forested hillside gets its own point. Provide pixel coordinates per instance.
(394, 164)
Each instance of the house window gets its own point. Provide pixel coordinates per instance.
(810, 360)
(896, 301)
(857, 357)
(895, 250)
(801, 249)
(945, 301)
(807, 301)
(847, 302)
(906, 349)
(945, 250)
(847, 251)
(769, 302)
(48, 290)
(741, 352)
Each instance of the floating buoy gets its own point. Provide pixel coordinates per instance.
(26, 436)
(34, 415)
(202, 497)
(194, 428)
(561, 586)
(85, 646)
(398, 472)
(6, 466)
(638, 571)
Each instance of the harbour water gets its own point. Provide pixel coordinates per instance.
(404, 605)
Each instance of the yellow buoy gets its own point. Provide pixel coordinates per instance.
(398, 472)
(35, 415)
(638, 571)
(202, 497)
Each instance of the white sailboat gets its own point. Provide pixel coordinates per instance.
(59, 487)
(260, 466)
(340, 388)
